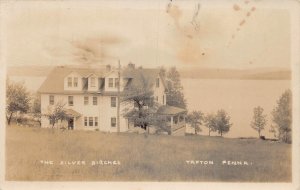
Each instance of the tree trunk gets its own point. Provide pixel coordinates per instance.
(9, 118)
(195, 131)
(285, 136)
(208, 131)
(258, 133)
(221, 133)
(148, 130)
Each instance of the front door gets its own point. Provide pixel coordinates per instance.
(71, 123)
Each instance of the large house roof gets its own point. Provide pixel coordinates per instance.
(139, 74)
(54, 83)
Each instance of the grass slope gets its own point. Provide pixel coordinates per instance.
(152, 158)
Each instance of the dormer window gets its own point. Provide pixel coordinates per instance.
(93, 82)
(75, 81)
(69, 81)
(72, 81)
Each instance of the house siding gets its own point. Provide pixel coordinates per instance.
(102, 110)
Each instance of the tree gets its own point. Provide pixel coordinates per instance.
(195, 119)
(144, 112)
(17, 99)
(282, 116)
(210, 122)
(175, 96)
(273, 130)
(259, 120)
(55, 113)
(36, 108)
(222, 122)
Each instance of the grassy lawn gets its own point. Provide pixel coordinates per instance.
(151, 158)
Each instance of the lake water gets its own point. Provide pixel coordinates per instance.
(32, 83)
(237, 97)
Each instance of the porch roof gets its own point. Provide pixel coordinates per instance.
(72, 113)
(170, 110)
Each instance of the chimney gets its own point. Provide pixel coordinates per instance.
(108, 68)
(131, 65)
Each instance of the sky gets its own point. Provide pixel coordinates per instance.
(234, 34)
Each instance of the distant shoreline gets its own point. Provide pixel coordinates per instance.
(195, 73)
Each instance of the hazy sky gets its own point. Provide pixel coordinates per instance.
(237, 34)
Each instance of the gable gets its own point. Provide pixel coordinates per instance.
(111, 74)
(91, 75)
(73, 74)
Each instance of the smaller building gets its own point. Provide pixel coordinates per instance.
(175, 117)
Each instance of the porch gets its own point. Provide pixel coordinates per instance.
(176, 119)
(72, 117)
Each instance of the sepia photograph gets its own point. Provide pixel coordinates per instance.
(150, 93)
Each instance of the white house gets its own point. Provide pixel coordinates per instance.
(90, 96)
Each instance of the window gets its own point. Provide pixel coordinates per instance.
(175, 119)
(93, 83)
(96, 121)
(113, 102)
(169, 119)
(51, 100)
(85, 121)
(70, 100)
(116, 82)
(163, 99)
(110, 82)
(69, 81)
(157, 83)
(113, 122)
(95, 100)
(75, 81)
(181, 118)
(91, 121)
(86, 100)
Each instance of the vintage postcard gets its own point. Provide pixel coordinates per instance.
(150, 94)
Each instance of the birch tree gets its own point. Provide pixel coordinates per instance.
(259, 120)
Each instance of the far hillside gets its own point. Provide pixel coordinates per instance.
(35, 71)
(197, 73)
(250, 74)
